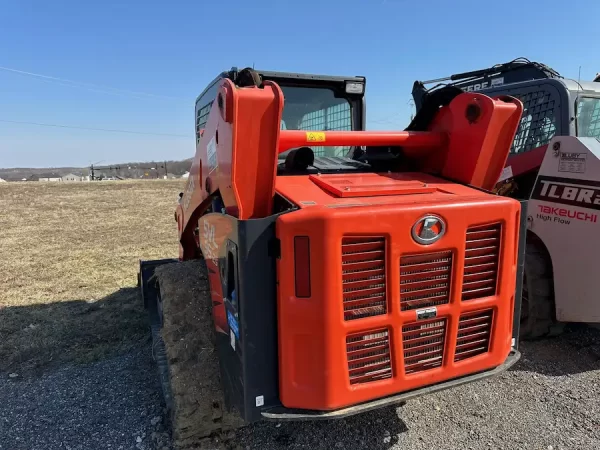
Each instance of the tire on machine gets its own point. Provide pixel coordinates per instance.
(538, 311)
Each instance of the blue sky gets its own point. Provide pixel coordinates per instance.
(173, 49)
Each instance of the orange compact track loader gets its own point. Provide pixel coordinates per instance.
(335, 270)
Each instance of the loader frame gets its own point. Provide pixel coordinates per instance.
(228, 219)
(256, 395)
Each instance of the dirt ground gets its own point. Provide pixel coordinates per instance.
(68, 263)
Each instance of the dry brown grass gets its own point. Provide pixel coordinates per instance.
(68, 263)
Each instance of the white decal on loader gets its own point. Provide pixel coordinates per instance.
(211, 152)
(484, 85)
(582, 193)
(506, 174)
(210, 245)
(572, 162)
(260, 401)
(476, 87)
(565, 191)
(188, 193)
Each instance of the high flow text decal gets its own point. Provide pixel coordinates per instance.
(568, 191)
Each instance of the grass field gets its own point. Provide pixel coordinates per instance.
(68, 263)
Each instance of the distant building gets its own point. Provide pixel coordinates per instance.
(2, 180)
(185, 175)
(49, 177)
(71, 177)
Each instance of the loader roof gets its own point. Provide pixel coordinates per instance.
(582, 86)
(299, 78)
(307, 76)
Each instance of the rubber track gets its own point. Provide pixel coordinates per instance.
(184, 348)
(159, 353)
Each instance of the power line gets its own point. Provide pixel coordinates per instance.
(97, 90)
(386, 120)
(79, 84)
(108, 130)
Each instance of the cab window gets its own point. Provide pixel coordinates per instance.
(588, 117)
(316, 109)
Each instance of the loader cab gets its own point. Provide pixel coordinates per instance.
(587, 120)
(312, 102)
(552, 145)
(552, 106)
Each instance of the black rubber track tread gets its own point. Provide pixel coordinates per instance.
(187, 359)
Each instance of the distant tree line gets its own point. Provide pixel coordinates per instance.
(150, 169)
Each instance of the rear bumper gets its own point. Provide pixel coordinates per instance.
(284, 414)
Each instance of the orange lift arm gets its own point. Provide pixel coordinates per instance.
(468, 142)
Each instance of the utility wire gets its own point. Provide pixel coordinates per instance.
(97, 90)
(71, 83)
(386, 120)
(109, 130)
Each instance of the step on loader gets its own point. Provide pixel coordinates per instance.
(324, 270)
(554, 163)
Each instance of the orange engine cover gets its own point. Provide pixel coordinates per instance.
(385, 313)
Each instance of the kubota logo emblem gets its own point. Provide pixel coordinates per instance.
(428, 229)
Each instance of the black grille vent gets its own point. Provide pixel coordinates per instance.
(481, 261)
(474, 329)
(369, 356)
(363, 277)
(425, 280)
(424, 344)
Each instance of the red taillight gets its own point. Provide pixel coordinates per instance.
(302, 266)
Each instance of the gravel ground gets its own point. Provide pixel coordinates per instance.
(112, 404)
(550, 400)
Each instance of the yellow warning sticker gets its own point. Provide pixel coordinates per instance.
(315, 136)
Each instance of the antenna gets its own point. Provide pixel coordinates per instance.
(576, 106)
(411, 102)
